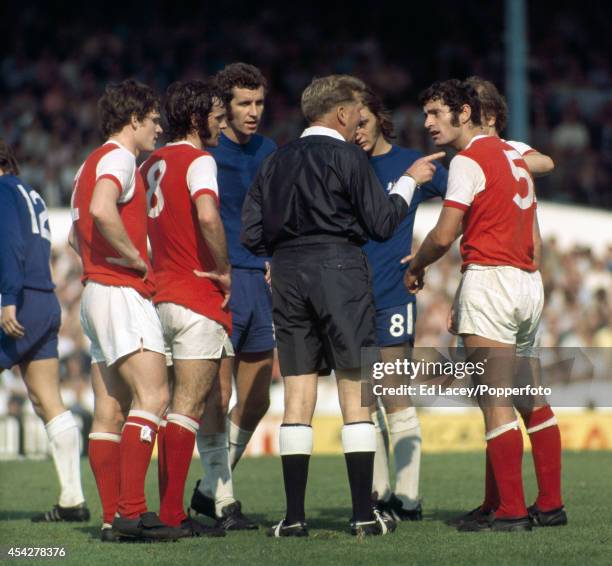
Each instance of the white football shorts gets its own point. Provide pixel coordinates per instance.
(119, 321)
(189, 335)
(502, 303)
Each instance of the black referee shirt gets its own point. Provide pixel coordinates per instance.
(319, 185)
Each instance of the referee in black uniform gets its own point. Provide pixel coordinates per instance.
(313, 203)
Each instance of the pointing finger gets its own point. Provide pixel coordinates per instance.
(434, 156)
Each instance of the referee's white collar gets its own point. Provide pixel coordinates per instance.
(322, 131)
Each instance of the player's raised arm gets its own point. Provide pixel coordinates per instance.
(379, 214)
(539, 164)
(424, 168)
(495, 119)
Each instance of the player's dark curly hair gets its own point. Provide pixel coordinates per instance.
(187, 106)
(8, 162)
(122, 101)
(492, 103)
(454, 94)
(374, 104)
(239, 75)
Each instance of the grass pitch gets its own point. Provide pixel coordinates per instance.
(451, 484)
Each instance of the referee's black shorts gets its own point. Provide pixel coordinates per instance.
(323, 307)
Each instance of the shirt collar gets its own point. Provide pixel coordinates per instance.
(118, 144)
(322, 131)
(182, 142)
(479, 136)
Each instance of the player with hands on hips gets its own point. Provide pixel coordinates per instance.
(192, 272)
(109, 213)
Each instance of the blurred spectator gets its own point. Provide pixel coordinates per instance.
(578, 313)
(571, 135)
(50, 84)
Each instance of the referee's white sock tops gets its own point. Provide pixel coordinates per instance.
(359, 437)
(295, 439)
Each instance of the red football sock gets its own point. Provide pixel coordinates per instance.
(137, 441)
(104, 461)
(179, 443)
(162, 478)
(506, 453)
(546, 451)
(491, 500)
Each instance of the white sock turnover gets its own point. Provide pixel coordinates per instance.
(217, 480)
(406, 441)
(238, 440)
(381, 484)
(64, 437)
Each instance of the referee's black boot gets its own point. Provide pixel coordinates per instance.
(381, 524)
(284, 529)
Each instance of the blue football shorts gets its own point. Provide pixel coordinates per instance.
(40, 314)
(251, 307)
(396, 325)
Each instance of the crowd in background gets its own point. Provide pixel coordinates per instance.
(50, 82)
(578, 314)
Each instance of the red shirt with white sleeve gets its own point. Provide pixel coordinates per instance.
(176, 175)
(521, 147)
(490, 182)
(114, 162)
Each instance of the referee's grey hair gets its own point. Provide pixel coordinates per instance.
(326, 93)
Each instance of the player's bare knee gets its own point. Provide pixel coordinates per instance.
(38, 408)
(186, 406)
(108, 420)
(258, 410)
(255, 405)
(35, 400)
(155, 402)
(298, 411)
(216, 408)
(223, 401)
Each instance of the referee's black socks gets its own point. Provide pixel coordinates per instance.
(359, 444)
(295, 442)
